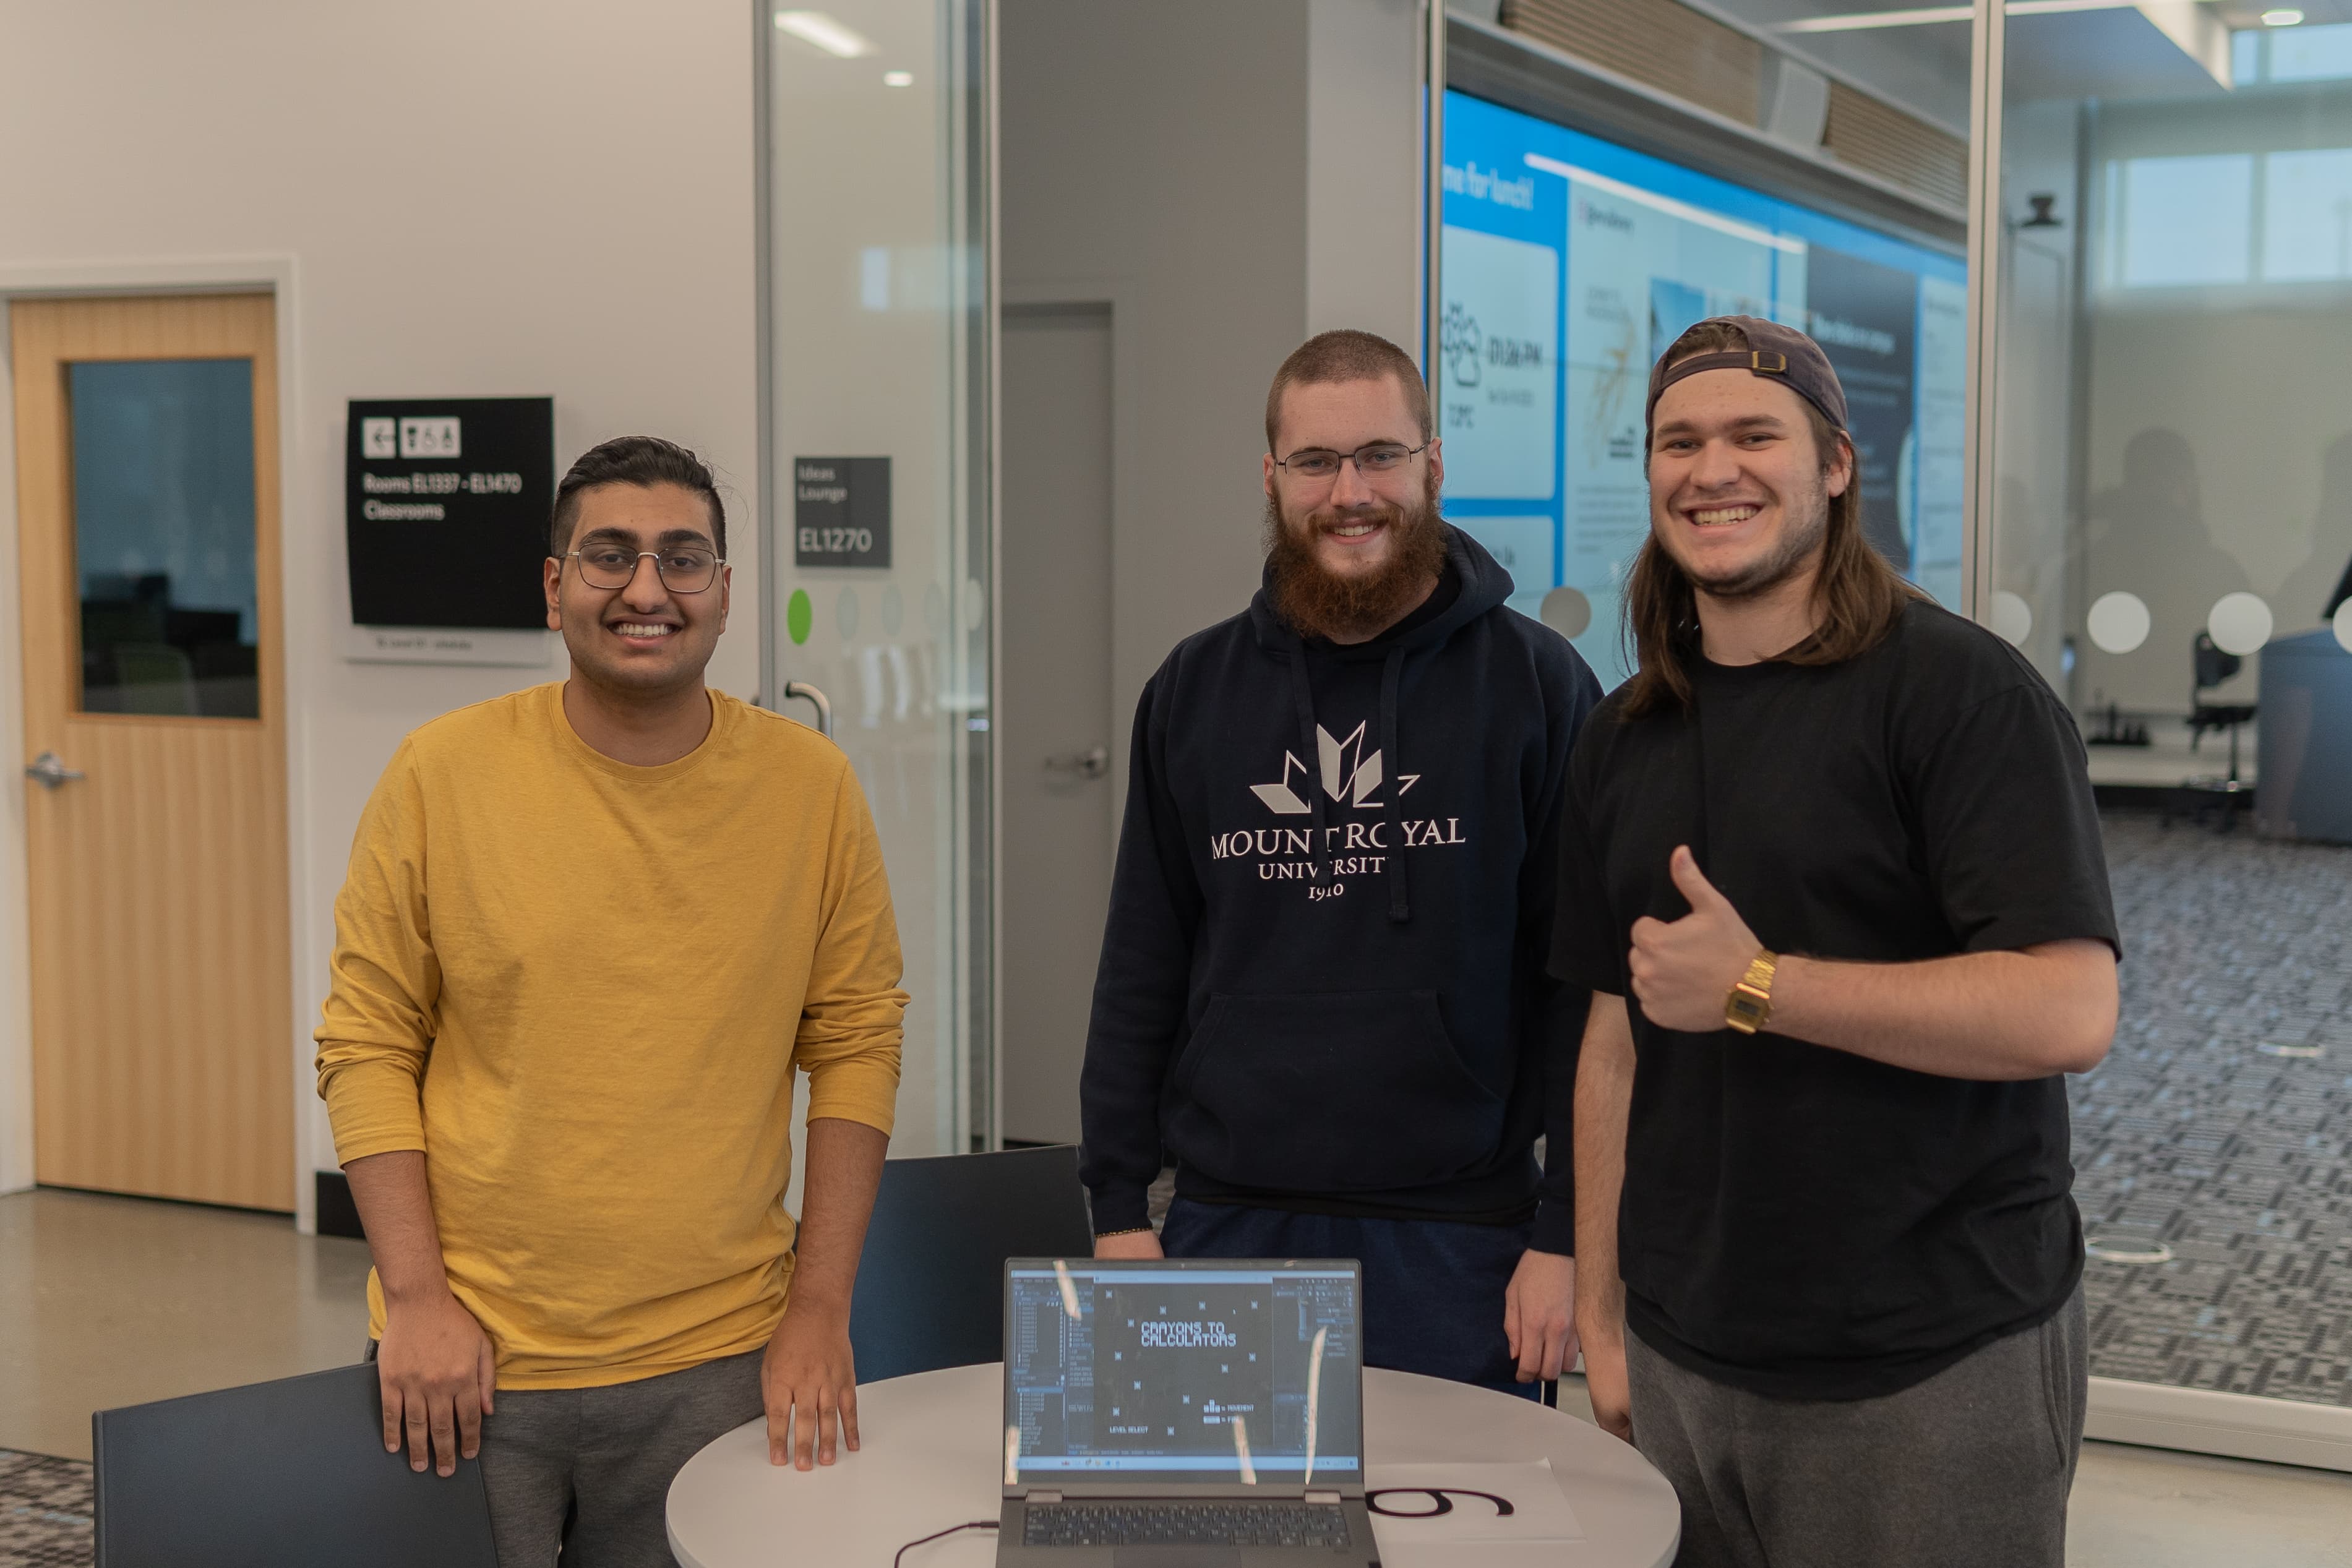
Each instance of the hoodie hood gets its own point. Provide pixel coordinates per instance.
(1484, 585)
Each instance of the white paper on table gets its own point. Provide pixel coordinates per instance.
(1540, 1509)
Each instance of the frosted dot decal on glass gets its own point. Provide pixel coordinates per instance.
(1567, 610)
(2343, 624)
(845, 613)
(2119, 623)
(2012, 618)
(2240, 622)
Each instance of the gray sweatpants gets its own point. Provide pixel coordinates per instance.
(586, 1471)
(1968, 1470)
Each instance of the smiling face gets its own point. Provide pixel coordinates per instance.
(1739, 491)
(643, 640)
(1352, 553)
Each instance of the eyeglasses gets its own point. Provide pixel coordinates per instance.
(1322, 463)
(683, 569)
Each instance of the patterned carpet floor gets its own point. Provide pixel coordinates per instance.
(44, 1511)
(2220, 1128)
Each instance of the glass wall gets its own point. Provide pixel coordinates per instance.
(879, 581)
(2160, 516)
(2169, 512)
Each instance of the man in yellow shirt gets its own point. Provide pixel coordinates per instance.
(590, 931)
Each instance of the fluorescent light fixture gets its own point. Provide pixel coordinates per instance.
(833, 37)
(1861, 21)
(897, 78)
(2282, 18)
(1668, 205)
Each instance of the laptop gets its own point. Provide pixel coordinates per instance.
(1193, 1413)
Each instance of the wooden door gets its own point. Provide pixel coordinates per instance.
(148, 522)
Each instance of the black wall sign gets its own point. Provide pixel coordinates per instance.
(841, 511)
(444, 505)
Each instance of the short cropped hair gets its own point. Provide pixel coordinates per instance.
(1347, 355)
(643, 460)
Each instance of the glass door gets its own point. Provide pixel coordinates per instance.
(878, 374)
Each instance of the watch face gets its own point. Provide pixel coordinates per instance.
(1745, 1012)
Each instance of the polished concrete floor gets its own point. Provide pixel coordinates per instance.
(108, 1302)
(111, 1301)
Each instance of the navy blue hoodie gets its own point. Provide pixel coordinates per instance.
(1323, 982)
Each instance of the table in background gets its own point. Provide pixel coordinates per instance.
(934, 1451)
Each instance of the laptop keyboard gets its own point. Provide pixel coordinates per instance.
(1184, 1524)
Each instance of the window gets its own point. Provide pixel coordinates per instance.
(2307, 215)
(2175, 221)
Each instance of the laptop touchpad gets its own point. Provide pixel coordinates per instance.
(1176, 1557)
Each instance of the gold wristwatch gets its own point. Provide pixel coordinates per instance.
(1748, 1007)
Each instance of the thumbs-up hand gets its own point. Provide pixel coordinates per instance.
(1683, 971)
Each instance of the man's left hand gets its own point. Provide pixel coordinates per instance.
(1683, 971)
(809, 1381)
(1539, 1315)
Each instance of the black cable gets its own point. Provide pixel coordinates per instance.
(940, 1534)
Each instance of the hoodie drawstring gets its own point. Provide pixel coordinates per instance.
(1400, 884)
(1303, 694)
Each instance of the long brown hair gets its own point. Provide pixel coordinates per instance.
(1859, 596)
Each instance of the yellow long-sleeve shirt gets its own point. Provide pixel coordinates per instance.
(582, 988)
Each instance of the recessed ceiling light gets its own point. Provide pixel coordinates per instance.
(897, 78)
(2287, 18)
(833, 37)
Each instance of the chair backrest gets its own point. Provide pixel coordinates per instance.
(278, 1475)
(930, 1287)
(2212, 666)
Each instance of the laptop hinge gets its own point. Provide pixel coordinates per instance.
(1322, 1497)
(1042, 1495)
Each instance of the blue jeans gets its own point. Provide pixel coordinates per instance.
(1432, 1288)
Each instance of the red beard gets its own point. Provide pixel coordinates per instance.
(1314, 603)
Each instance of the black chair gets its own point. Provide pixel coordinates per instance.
(930, 1286)
(278, 1475)
(2200, 795)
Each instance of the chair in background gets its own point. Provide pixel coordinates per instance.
(287, 1474)
(2198, 796)
(930, 1286)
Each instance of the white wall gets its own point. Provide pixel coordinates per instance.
(470, 197)
(1240, 173)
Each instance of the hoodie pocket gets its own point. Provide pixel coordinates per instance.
(1330, 1092)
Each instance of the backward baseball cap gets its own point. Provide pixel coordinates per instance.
(1780, 353)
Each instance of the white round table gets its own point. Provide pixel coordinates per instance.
(932, 1455)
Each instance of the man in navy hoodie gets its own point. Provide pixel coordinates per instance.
(1322, 995)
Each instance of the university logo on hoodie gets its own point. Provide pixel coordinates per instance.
(1341, 761)
(1351, 777)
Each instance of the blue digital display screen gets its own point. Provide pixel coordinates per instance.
(1570, 263)
(1227, 1373)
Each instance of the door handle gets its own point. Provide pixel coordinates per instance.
(816, 699)
(48, 772)
(1091, 763)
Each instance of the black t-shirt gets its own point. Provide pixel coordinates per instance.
(1801, 1221)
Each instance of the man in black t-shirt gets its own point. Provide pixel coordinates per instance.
(1838, 848)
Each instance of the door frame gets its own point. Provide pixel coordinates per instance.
(300, 552)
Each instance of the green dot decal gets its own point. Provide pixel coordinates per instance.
(797, 615)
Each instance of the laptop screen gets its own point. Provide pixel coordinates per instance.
(1191, 1372)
